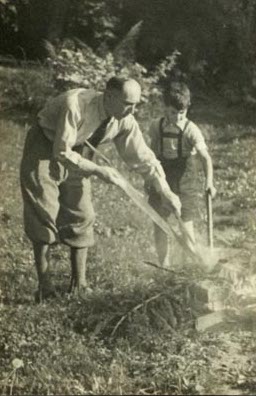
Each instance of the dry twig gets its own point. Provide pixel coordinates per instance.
(158, 266)
(134, 309)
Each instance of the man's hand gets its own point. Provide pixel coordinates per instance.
(172, 201)
(108, 175)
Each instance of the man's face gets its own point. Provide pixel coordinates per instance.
(123, 103)
(175, 116)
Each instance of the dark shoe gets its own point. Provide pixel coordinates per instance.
(45, 292)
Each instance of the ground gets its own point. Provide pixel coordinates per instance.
(135, 334)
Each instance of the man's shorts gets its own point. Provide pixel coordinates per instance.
(57, 200)
(182, 177)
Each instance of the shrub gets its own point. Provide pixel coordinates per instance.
(84, 68)
(25, 88)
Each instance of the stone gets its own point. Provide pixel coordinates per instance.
(210, 320)
(208, 295)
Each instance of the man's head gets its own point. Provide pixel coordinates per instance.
(121, 96)
(177, 100)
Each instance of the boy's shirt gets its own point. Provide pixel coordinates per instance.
(192, 139)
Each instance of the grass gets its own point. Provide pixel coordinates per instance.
(135, 334)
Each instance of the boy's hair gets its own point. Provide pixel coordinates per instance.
(177, 95)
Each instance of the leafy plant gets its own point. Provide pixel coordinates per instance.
(25, 88)
(84, 68)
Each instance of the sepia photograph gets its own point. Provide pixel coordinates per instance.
(127, 197)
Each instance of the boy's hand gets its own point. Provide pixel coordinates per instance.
(171, 201)
(211, 189)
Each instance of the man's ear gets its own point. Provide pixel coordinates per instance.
(109, 96)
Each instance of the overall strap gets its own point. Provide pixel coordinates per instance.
(180, 139)
(180, 144)
(186, 125)
(171, 135)
(161, 133)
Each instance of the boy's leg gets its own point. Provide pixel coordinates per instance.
(160, 237)
(162, 246)
(190, 239)
(41, 255)
(78, 257)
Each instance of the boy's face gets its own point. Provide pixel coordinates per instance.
(173, 115)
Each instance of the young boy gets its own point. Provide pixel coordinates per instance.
(176, 140)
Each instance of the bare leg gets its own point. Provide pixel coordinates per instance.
(41, 255)
(162, 246)
(190, 240)
(78, 269)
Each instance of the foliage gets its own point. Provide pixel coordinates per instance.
(216, 38)
(8, 12)
(96, 20)
(82, 67)
(25, 88)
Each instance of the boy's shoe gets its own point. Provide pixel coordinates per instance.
(45, 292)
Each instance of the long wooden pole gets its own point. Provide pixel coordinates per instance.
(209, 219)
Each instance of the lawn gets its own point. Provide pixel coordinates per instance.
(136, 333)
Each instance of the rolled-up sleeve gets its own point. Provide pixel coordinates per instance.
(133, 149)
(66, 134)
(66, 137)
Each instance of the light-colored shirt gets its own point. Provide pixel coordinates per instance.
(70, 118)
(192, 138)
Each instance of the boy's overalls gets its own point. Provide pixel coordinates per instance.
(181, 173)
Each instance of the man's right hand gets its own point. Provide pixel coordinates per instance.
(108, 175)
(171, 200)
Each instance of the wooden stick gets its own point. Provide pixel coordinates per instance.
(209, 219)
(158, 266)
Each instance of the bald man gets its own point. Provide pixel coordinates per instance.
(57, 165)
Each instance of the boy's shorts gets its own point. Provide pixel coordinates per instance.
(57, 200)
(183, 181)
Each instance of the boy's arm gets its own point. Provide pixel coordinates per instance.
(208, 170)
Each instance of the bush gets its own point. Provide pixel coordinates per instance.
(25, 88)
(84, 68)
